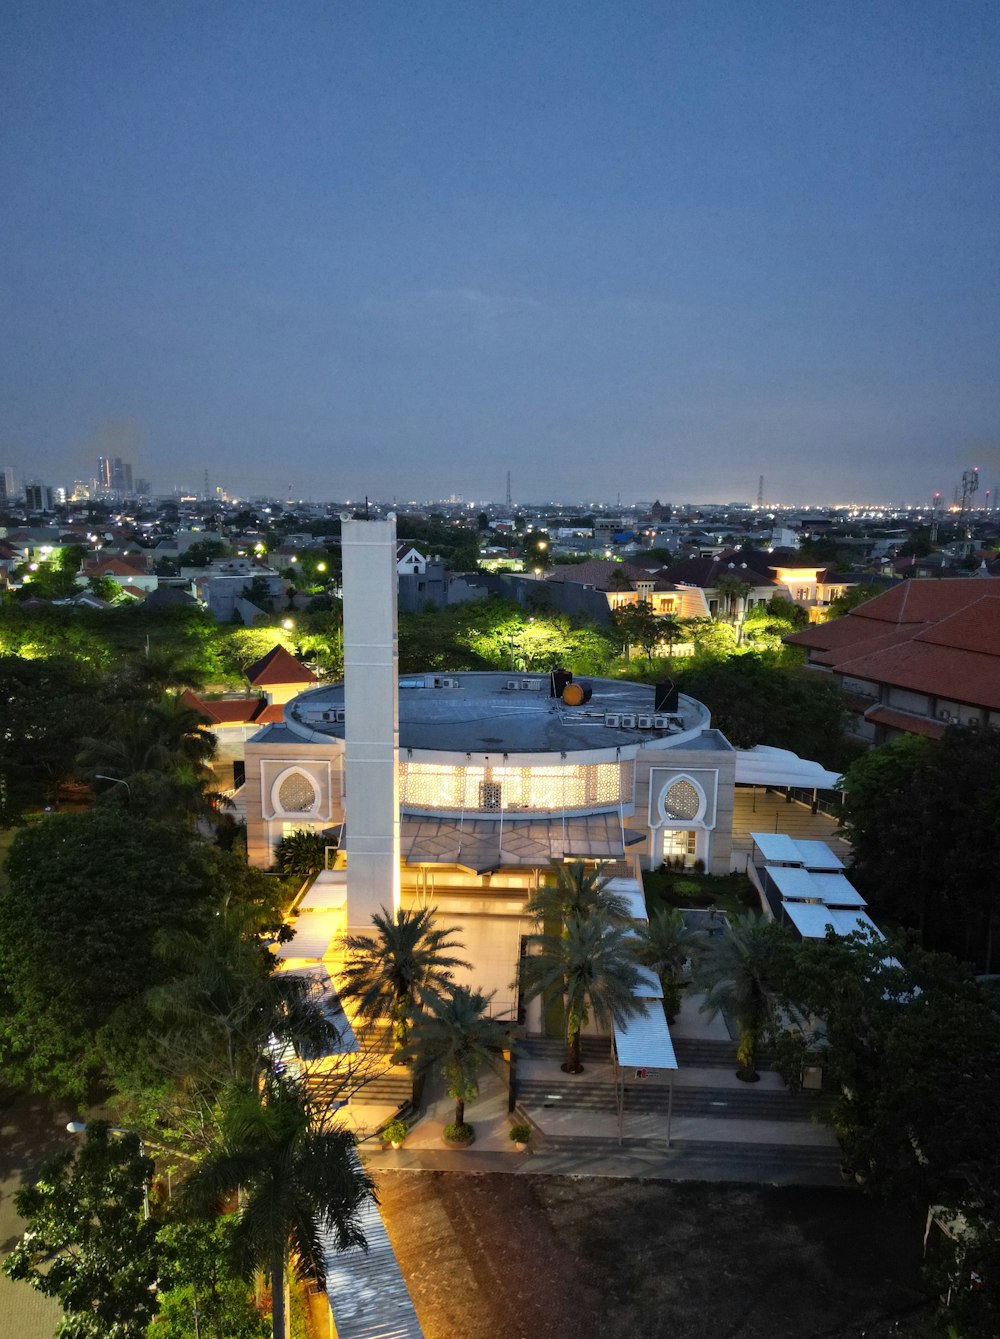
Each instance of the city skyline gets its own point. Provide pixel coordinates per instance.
(662, 252)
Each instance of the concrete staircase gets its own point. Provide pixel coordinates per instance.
(750, 1103)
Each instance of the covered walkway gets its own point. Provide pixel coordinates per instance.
(756, 809)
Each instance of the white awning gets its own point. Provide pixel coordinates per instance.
(804, 885)
(811, 920)
(643, 1041)
(329, 890)
(631, 891)
(324, 995)
(314, 932)
(779, 849)
(766, 766)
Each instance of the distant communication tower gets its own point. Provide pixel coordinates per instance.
(970, 487)
(760, 491)
(509, 503)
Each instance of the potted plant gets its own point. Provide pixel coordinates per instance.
(395, 1132)
(459, 1133)
(519, 1136)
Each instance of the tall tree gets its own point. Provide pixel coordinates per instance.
(666, 944)
(733, 972)
(576, 890)
(591, 966)
(296, 1180)
(87, 1243)
(457, 1034)
(392, 974)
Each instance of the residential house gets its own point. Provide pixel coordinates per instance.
(916, 658)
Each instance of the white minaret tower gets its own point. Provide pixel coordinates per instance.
(371, 725)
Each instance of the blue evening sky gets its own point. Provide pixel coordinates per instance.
(400, 247)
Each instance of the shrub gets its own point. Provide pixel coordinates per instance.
(459, 1134)
(395, 1131)
(520, 1134)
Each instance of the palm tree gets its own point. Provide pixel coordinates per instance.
(666, 944)
(671, 628)
(577, 891)
(394, 974)
(457, 1033)
(592, 965)
(296, 1181)
(733, 973)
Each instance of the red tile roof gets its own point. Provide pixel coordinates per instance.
(227, 711)
(902, 720)
(937, 638)
(278, 666)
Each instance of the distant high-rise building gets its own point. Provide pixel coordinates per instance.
(38, 497)
(7, 485)
(143, 488)
(114, 475)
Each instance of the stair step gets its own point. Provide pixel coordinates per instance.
(732, 1103)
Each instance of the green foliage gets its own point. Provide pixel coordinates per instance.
(86, 1242)
(591, 965)
(921, 817)
(753, 702)
(196, 1269)
(843, 604)
(459, 1133)
(204, 552)
(575, 889)
(734, 972)
(87, 896)
(399, 970)
(301, 853)
(638, 626)
(520, 1134)
(296, 1177)
(395, 1131)
(666, 944)
(456, 1033)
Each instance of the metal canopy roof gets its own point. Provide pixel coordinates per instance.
(631, 891)
(368, 1296)
(804, 885)
(766, 766)
(313, 932)
(811, 920)
(643, 1041)
(485, 844)
(780, 849)
(329, 890)
(777, 847)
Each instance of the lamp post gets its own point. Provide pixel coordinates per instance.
(78, 1127)
(99, 776)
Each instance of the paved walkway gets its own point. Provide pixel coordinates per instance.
(759, 810)
(31, 1130)
(582, 1139)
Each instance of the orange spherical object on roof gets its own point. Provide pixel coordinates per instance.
(573, 695)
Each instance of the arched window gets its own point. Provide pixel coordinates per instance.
(683, 800)
(295, 793)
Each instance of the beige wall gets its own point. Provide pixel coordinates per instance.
(264, 761)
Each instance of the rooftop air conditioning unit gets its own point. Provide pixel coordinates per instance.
(661, 722)
(445, 683)
(511, 683)
(944, 715)
(628, 722)
(335, 714)
(644, 722)
(613, 719)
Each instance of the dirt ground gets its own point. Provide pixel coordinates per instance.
(537, 1257)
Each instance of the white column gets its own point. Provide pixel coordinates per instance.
(371, 718)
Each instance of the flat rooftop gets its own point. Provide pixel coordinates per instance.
(512, 713)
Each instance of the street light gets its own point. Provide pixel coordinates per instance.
(99, 776)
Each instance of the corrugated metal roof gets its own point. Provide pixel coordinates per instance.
(837, 891)
(631, 891)
(313, 933)
(643, 1041)
(818, 857)
(793, 883)
(366, 1290)
(811, 920)
(777, 846)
